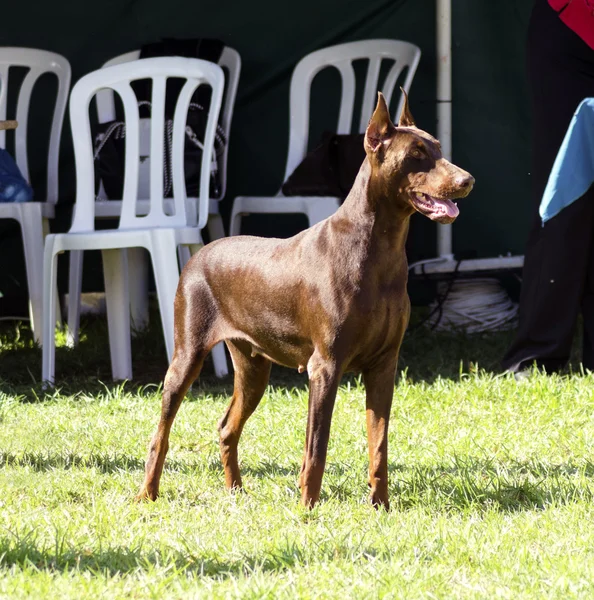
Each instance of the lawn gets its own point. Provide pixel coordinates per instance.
(491, 483)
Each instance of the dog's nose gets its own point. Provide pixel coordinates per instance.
(465, 181)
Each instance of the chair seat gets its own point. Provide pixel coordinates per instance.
(111, 209)
(316, 208)
(122, 238)
(281, 203)
(14, 210)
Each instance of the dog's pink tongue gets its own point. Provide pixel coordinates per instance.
(450, 208)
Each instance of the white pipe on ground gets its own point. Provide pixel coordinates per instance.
(444, 104)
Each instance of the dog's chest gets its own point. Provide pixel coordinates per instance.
(375, 329)
(382, 303)
(377, 311)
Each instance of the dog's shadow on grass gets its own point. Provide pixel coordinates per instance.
(478, 484)
(269, 469)
(41, 462)
(461, 484)
(25, 551)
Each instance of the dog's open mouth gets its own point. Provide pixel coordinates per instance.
(441, 210)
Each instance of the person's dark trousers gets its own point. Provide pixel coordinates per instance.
(558, 275)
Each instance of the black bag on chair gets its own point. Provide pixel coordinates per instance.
(108, 154)
(110, 150)
(329, 169)
(110, 138)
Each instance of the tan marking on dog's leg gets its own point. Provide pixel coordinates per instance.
(379, 389)
(324, 377)
(180, 375)
(194, 338)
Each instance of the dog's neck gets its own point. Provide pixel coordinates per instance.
(373, 210)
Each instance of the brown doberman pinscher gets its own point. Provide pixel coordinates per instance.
(331, 299)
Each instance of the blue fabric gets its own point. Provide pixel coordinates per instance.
(573, 170)
(13, 187)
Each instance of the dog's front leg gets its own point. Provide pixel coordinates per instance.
(379, 389)
(324, 377)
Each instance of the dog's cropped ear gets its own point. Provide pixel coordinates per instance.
(406, 119)
(380, 128)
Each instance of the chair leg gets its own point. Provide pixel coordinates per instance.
(32, 232)
(46, 232)
(117, 300)
(138, 275)
(216, 230)
(165, 267)
(74, 297)
(48, 349)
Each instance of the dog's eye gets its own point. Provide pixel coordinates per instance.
(416, 153)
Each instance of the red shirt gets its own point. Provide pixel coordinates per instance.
(578, 15)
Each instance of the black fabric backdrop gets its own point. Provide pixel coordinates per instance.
(490, 109)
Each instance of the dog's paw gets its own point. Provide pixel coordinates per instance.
(379, 501)
(145, 496)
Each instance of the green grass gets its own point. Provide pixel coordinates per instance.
(491, 483)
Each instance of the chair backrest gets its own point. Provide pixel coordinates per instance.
(230, 61)
(38, 62)
(117, 78)
(341, 57)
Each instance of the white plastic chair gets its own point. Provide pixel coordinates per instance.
(341, 58)
(165, 224)
(33, 217)
(137, 258)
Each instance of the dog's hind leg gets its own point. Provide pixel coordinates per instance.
(251, 378)
(180, 376)
(379, 389)
(193, 341)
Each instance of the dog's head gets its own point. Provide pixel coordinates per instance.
(411, 166)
